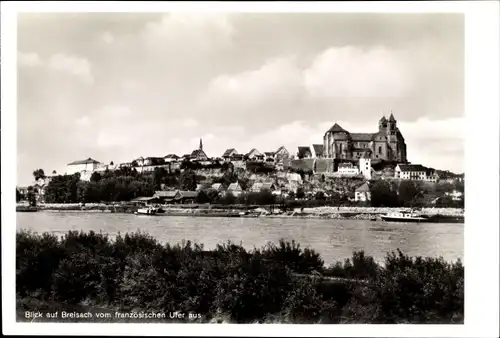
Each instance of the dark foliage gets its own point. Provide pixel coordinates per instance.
(135, 272)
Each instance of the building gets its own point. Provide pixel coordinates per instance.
(317, 150)
(229, 154)
(269, 156)
(415, 172)
(281, 154)
(199, 154)
(259, 187)
(365, 167)
(455, 195)
(217, 187)
(171, 158)
(362, 193)
(234, 189)
(255, 155)
(304, 152)
(348, 169)
(387, 144)
(82, 165)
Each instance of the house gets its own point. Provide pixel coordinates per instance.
(304, 152)
(82, 165)
(167, 196)
(259, 187)
(255, 155)
(185, 197)
(217, 187)
(281, 154)
(455, 195)
(235, 189)
(317, 150)
(269, 156)
(415, 172)
(138, 161)
(362, 193)
(229, 154)
(348, 169)
(171, 158)
(144, 200)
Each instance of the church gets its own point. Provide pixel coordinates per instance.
(387, 144)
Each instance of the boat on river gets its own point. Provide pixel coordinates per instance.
(151, 211)
(405, 216)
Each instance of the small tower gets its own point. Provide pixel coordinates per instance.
(365, 166)
(201, 144)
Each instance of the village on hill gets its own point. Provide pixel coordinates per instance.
(346, 166)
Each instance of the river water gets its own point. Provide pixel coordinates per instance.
(334, 239)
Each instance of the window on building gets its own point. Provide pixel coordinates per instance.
(380, 149)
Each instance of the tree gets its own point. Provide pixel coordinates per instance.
(320, 196)
(95, 177)
(18, 195)
(38, 173)
(202, 197)
(187, 180)
(410, 192)
(300, 193)
(383, 195)
(54, 172)
(111, 163)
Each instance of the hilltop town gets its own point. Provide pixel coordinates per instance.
(346, 165)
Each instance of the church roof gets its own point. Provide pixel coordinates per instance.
(318, 149)
(362, 136)
(336, 128)
(363, 188)
(304, 151)
(383, 119)
(87, 161)
(391, 118)
(228, 152)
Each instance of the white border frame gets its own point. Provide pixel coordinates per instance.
(482, 222)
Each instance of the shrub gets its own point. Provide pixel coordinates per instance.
(136, 272)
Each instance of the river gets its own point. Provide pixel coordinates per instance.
(334, 239)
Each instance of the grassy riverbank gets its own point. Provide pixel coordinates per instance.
(279, 283)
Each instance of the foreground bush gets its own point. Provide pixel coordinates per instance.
(277, 283)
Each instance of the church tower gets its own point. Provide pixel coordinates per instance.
(392, 138)
(382, 124)
(201, 144)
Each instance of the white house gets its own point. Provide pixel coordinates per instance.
(415, 172)
(362, 193)
(455, 195)
(255, 155)
(281, 154)
(235, 189)
(229, 154)
(347, 169)
(82, 165)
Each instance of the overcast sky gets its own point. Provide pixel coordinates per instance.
(118, 86)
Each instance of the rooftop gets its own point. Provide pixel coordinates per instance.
(87, 161)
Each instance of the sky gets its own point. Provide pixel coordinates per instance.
(117, 86)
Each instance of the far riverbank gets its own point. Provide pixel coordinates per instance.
(362, 213)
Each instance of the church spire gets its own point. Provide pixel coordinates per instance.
(201, 144)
